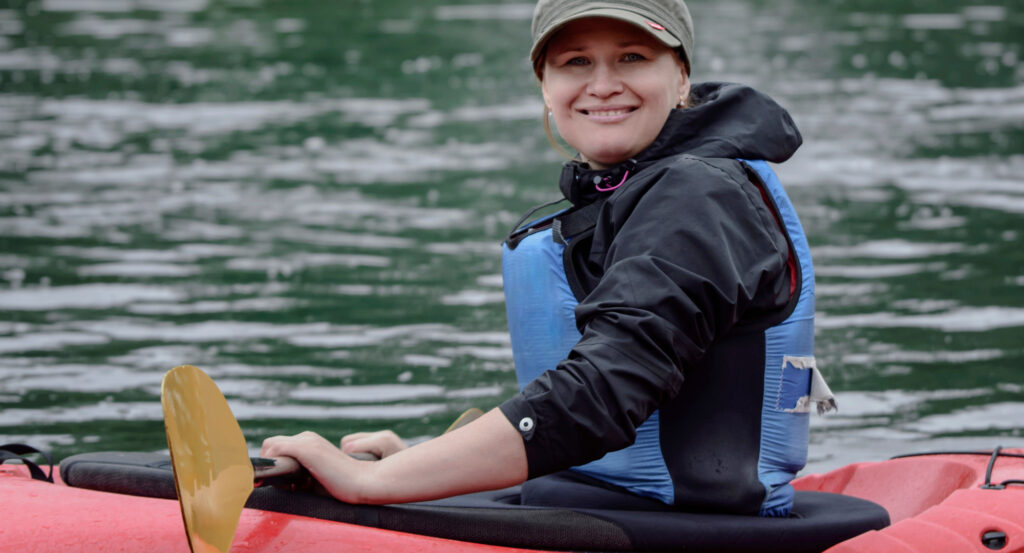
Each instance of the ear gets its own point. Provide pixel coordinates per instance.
(544, 92)
(684, 84)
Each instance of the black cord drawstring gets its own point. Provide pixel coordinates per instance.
(10, 452)
(988, 485)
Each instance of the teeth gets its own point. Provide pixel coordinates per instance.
(609, 113)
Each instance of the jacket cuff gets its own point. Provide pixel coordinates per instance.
(524, 419)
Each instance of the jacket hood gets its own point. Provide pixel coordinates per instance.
(727, 120)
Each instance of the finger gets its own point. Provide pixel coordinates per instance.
(354, 437)
(352, 441)
(270, 445)
(364, 444)
(281, 446)
(379, 444)
(366, 441)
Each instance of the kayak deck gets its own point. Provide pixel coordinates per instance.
(942, 502)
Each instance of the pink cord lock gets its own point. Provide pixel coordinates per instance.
(598, 184)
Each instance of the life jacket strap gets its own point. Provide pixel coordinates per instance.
(576, 221)
(520, 231)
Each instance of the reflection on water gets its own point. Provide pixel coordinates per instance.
(305, 199)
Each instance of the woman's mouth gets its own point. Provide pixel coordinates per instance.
(608, 112)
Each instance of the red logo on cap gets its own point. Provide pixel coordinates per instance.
(655, 25)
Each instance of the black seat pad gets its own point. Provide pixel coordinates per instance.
(571, 514)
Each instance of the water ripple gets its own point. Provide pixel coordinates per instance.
(963, 319)
(84, 296)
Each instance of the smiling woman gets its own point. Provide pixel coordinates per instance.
(662, 325)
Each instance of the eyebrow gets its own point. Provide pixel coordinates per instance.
(626, 44)
(630, 43)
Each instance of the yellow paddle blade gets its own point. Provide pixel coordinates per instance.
(212, 470)
(465, 418)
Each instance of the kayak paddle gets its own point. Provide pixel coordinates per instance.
(212, 470)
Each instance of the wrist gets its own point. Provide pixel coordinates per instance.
(363, 483)
(348, 479)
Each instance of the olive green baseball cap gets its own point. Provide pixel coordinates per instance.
(667, 20)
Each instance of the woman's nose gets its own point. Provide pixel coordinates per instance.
(605, 81)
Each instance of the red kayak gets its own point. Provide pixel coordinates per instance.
(940, 502)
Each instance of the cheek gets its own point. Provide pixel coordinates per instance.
(559, 96)
(560, 103)
(673, 94)
(561, 87)
(670, 84)
(562, 118)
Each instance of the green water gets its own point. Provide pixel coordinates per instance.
(306, 199)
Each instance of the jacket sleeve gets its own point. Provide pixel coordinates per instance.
(693, 255)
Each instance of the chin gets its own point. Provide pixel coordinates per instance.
(609, 157)
(610, 152)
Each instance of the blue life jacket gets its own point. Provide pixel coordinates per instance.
(542, 323)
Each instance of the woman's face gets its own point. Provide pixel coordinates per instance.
(610, 87)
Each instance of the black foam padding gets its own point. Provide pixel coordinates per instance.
(575, 515)
(145, 474)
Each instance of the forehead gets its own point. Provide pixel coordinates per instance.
(593, 31)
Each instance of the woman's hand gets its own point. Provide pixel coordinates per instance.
(342, 476)
(382, 444)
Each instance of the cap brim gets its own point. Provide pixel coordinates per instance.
(636, 19)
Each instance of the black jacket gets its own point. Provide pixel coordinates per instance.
(685, 260)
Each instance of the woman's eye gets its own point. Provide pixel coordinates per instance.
(633, 57)
(577, 61)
